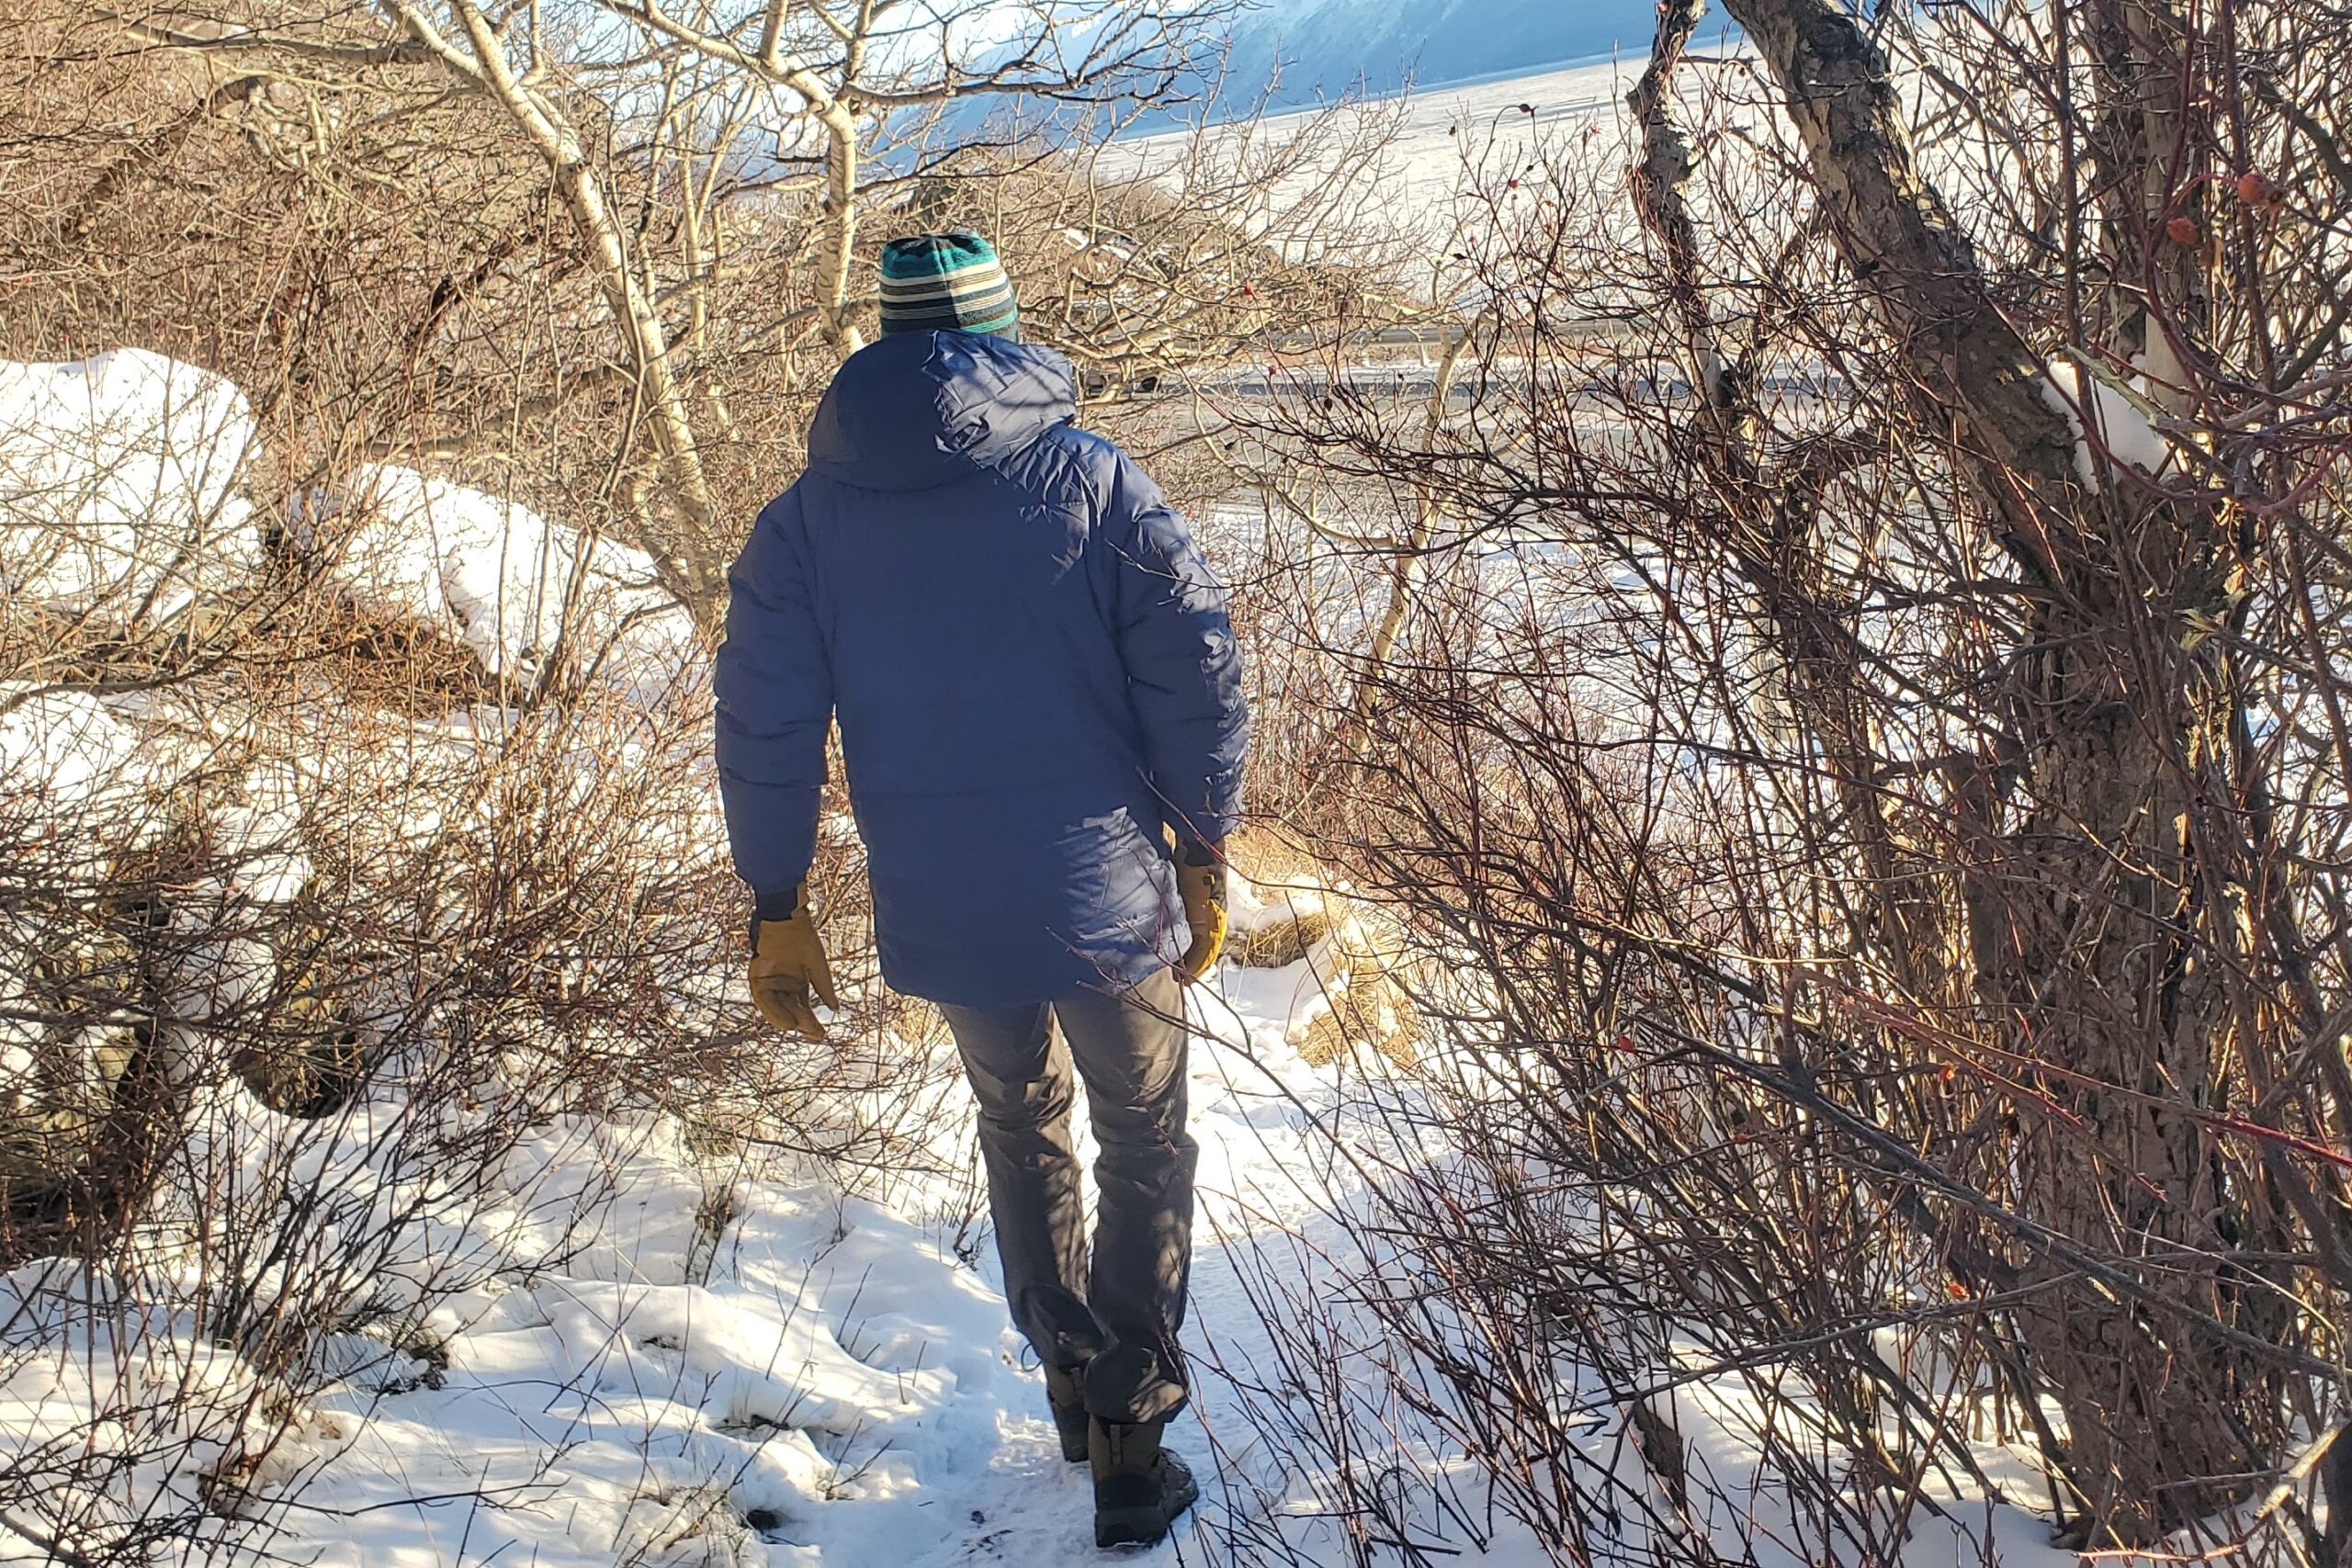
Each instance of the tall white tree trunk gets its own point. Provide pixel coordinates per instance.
(696, 578)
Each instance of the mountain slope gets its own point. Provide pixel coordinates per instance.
(1312, 49)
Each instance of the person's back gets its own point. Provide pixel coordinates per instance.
(1037, 689)
(1008, 617)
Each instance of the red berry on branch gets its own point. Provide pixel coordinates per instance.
(2184, 231)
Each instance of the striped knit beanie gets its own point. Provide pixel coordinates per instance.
(945, 283)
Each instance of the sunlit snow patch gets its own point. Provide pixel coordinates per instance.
(509, 584)
(2125, 433)
(120, 484)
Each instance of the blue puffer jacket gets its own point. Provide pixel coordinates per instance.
(1030, 661)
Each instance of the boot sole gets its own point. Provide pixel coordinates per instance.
(1142, 1527)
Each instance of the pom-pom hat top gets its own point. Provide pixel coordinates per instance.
(946, 282)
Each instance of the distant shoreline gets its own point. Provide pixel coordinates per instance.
(1422, 91)
(1482, 79)
(1487, 78)
(1724, 34)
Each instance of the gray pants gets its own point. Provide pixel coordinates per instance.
(1118, 1318)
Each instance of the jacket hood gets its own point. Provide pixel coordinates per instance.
(918, 409)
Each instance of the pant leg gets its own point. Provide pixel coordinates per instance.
(1130, 1050)
(1020, 1073)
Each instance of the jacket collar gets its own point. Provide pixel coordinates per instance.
(918, 409)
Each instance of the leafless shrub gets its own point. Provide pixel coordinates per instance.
(337, 902)
(1856, 724)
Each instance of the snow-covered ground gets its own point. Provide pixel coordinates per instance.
(630, 1342)
(679, 1364)
(672, 1362)
(1433, 143)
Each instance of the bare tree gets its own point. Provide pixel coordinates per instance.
(1869, 716)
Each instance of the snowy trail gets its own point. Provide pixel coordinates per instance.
(832, 1386)
(1252, 1101)
(1253, 1098)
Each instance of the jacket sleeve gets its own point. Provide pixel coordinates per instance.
(1183, 670)
(775, 694)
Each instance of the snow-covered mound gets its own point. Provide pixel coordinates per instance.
(511, 585)
(74, 779)
(120, 484)
(122, 490)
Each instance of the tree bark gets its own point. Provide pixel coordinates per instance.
(840, 248)
(1807, 689)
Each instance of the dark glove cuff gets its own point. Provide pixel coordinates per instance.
(1190, 851)
(775, 905)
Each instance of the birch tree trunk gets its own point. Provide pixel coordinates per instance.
(693, 573)
(839, 256)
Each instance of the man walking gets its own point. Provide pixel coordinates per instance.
(1041, 719)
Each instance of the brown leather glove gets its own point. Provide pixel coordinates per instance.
(1200, 881)
(787, 964)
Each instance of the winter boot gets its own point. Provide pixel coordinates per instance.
(1065, 1392)
(1139, 1487)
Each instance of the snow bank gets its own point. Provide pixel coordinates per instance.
(119, 483)
(508, 583)
(122, 488)
(74, 779)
